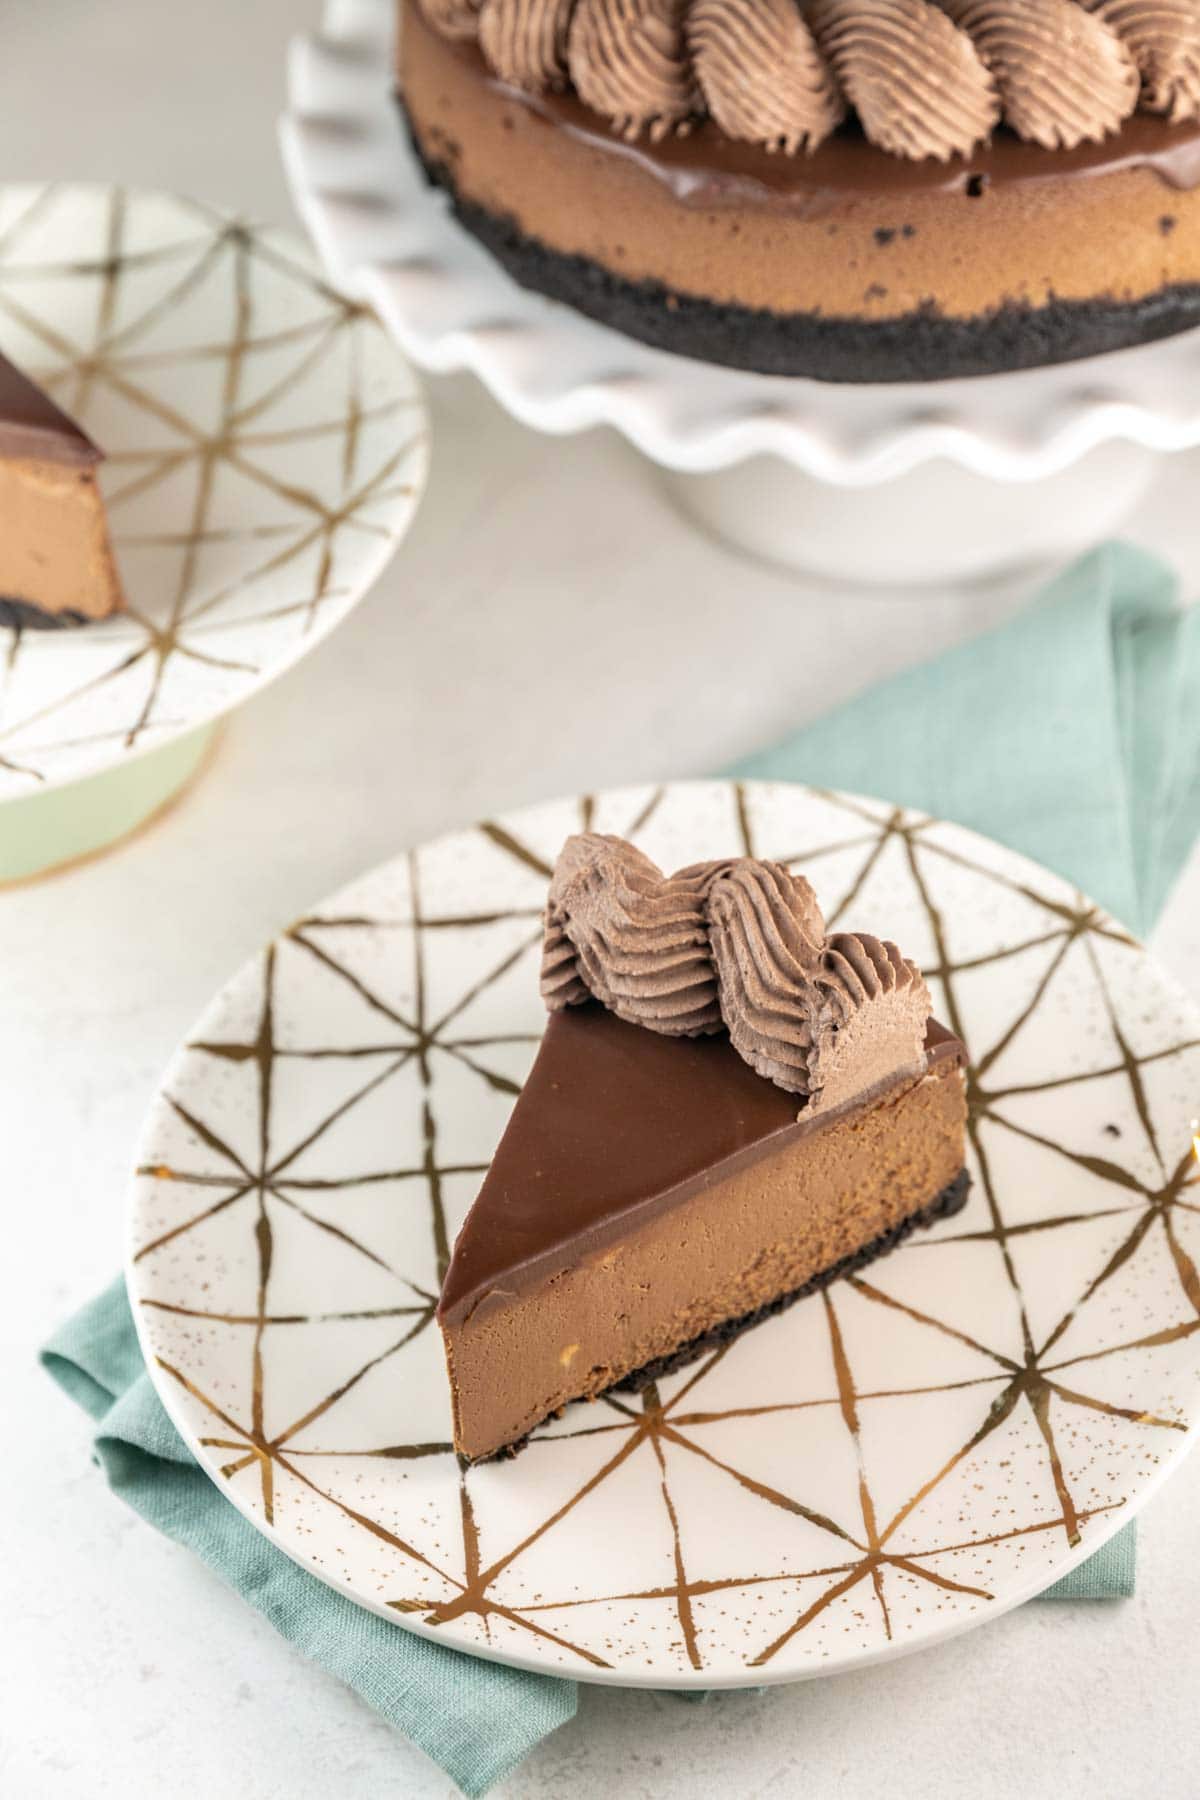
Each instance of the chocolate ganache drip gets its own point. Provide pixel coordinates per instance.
(926, 78)
(739, 946)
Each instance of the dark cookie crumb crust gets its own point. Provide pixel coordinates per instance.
(22, 615)
(923, 345)
(951, 1200)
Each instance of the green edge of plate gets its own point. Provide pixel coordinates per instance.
(43, 830)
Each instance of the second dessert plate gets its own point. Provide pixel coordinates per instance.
(266, 448)
(911, 1453)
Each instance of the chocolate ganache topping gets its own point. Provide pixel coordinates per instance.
(926, 78)
(738, 946)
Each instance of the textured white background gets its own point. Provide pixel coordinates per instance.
(471, 681)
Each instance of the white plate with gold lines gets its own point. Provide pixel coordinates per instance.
(266, 448)
(908, 1455)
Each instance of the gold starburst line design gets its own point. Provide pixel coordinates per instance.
(265, 450)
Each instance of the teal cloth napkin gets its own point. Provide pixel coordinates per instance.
(477, 1719)
(1073, 734)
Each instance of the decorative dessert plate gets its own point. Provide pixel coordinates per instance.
(266, 448)
(376, 224)
(909, 1454)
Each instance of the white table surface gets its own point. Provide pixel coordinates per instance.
(475, 678)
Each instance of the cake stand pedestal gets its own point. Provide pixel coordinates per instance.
(939, 523)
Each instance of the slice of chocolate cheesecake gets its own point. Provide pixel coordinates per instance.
(729, 1109)
(56, 560)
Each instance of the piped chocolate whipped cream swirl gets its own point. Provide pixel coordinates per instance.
(738, 946)
(628, 61)
(927, 78)
(1163, 36)
(1062, 76)
(526, 44)
(912, 76)
(762, 73)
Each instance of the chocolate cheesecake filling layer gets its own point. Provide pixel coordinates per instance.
(616, 1122)
(951, 1200)
(56, 562)
(844, 264)
(650, 1189)
(922, 345)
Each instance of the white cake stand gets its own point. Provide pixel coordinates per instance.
(898, 483)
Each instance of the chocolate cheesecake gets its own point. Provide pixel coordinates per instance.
(856, 190)
(56, 560)
(729, 1109)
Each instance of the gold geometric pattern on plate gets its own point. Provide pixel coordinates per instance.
(891, 1461)
(266, 448)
